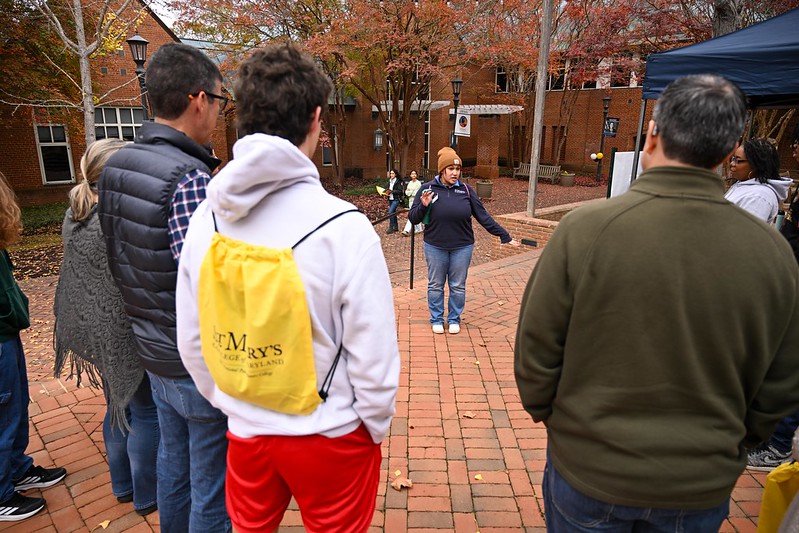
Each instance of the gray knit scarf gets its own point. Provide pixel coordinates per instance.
(92, 331)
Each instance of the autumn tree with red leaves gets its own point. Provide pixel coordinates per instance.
(63, 34)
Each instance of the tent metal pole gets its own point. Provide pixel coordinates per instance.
(638, 136)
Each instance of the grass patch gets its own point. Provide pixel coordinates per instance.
(39, 216)
(34, 242)
(363, 190)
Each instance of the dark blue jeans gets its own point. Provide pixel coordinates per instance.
(392, 208)
(568, 510)
(783, 434)
(132, 456)
(14, 400)
(192, 459)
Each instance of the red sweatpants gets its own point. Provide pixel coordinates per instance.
(333, 480)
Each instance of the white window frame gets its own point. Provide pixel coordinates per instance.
(119, 122)
(65, 143)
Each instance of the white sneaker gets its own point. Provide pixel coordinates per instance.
(438, 328)
(454, 328)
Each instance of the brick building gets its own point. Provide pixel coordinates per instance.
(44, 157)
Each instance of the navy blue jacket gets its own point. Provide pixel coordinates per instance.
(451, 215)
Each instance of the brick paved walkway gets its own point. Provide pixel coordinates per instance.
(475, 457)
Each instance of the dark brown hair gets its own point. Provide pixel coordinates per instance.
(278, 91)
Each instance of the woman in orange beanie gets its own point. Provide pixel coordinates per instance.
(446, 206)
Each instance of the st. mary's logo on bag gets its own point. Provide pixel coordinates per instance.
(255, 327)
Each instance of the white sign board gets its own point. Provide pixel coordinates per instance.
(463, 125)
(622, 165)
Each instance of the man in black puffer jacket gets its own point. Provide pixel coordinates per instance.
(148, 192)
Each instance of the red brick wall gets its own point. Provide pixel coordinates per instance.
(585, 129)
(538, 229)
(115, 71)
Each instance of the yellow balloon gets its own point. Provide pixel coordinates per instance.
(599, 155)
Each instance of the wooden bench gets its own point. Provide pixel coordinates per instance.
(548, 173)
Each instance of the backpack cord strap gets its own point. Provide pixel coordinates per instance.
(329, 377)
(331, 219)
(328, 381)
(216, 230)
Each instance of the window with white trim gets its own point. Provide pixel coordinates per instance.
(117, 122)
(55, 155)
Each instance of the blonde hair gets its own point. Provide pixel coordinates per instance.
(10, 224)
(82, 196)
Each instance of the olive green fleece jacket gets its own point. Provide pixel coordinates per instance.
(658, 338)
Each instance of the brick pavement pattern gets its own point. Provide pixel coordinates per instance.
(475, 457)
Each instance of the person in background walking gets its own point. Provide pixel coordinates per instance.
(17, 471)
(410, 192)
(447, 207)
(394, 192)
(93, 337)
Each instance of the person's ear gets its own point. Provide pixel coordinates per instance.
(652, 139)
(316, 121)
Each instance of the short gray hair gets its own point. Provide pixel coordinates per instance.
(699, 119)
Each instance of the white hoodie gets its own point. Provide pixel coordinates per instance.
(270, 195)
(760, 199)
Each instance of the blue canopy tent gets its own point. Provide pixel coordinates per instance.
(763, 60)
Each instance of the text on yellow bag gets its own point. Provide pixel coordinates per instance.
(255, 327)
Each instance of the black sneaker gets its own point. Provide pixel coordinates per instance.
(19, 507)
(39, 478)
(766, 458)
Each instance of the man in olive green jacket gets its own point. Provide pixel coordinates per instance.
(658, 336)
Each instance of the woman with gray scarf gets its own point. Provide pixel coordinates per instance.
(94, 337)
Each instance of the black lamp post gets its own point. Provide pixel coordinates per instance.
(456, 97)
(600, 155)
(138, 49)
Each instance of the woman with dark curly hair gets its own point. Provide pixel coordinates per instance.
(758, 187)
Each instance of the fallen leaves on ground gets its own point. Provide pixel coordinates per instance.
(401, 483)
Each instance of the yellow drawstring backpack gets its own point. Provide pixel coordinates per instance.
(255, 328)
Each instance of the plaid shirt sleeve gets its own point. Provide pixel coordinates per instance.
(188, 195)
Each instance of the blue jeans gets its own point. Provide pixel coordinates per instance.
(568, 510)
(783, 433)
(132, 456)
(192, 459)
(450, 266)
(392, 208)
(14, 400)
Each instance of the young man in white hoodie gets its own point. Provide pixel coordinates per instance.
(270, 195)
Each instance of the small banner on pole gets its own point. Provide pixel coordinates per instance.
(611, 127)
(463, 125)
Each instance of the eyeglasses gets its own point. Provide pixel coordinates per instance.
(735, 160)
(223, 100)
